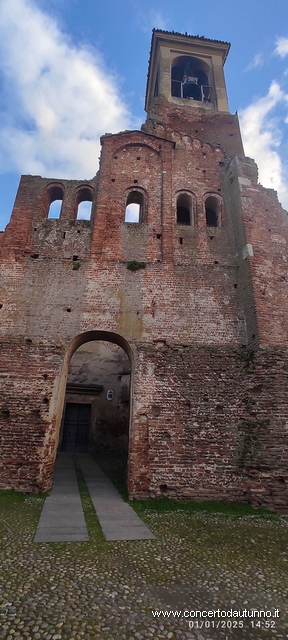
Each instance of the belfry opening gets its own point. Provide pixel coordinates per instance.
(189, 79)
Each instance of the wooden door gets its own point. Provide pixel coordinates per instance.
(76, 427)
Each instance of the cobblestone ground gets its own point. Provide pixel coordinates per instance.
(98, 590)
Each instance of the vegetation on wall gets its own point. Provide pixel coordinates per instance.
(251, 450)
(247, 357)
(133, 265)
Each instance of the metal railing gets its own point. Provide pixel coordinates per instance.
(177, 91)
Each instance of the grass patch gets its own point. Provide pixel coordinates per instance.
(94, 530)
(11, 496)
(11, 500)
(166, 505)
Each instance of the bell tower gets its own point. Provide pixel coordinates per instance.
(186, 91)
(187, 70)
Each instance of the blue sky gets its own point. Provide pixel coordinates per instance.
(71, 70)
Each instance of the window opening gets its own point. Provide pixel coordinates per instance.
(132, 213)
(189, 81)
(184, 209)
(183, 215)
(84, 204)
(84, 210)
(211, 218)
(55, 209)
(212, 212)
(134, 207)
(55, 202)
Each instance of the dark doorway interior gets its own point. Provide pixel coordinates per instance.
(76, 427)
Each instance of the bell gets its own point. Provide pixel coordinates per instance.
(192, 90)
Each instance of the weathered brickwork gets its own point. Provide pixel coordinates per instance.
(203, 321)
(215, 424)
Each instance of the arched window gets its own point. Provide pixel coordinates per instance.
(189, 79)
(212, 212)
(134, 207)
(84, 204)
(184, 209)
(55, 199)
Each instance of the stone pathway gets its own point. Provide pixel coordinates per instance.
(62, 517)
(117, 519)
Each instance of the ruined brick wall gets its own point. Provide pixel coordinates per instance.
(213, 425)
(210, 127)
(27, 374)
(205, 320)
(38, 284)
(264, 230)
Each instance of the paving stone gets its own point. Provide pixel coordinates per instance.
(117, 519)
(62, 518)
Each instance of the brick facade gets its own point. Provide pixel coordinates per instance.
(204, 323)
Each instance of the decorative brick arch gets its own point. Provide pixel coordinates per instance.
(53, 191)
(84, 193)
(77, 342)
(135, 145)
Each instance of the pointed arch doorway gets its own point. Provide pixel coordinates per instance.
(94, 403)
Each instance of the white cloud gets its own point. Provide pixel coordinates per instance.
(58, 98)
(282, 47)
(157, 20)
(153, 19)
(262, 138)
(256, 62)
